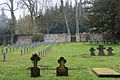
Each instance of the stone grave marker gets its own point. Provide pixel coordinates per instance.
(6, 50)
(2, 49)
(13, 48)
(35, 71)
(107, 41)
(10, 48)
(4, 56)
(97, 42)
(27, 49)
(24, 50)
(105, 72)
(41, 54)
(110, 51)
(62, 70)
(45, 50)
(91, 41)
(101, 50)
(104, 41)
(32, 45)
(92, 51)
(21, 51)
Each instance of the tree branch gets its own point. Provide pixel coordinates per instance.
(6, 4)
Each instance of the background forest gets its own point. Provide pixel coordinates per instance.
(96, 16)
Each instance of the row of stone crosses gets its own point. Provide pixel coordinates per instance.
(24, 47)
(101, 51)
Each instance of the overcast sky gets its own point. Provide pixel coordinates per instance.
(21, 12)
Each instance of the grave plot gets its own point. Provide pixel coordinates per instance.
(62, 70)
(35, 71)
(101, 50)
(92, 51)
(110, 51)
(105, 72)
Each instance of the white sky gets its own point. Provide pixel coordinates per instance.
(24, 12)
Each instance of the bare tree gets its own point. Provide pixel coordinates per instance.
(32, 7)
(10, 8)
(65, 16)
(77, 21)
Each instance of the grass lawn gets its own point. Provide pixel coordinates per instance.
(78, 61)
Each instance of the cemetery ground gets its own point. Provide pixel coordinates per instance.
(79, 63)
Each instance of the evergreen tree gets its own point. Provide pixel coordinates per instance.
(105, 17)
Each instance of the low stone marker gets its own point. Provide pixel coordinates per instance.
(39, 53)
(110, 51)
(91, 41)
(10, 48)
(21, 51)
(62, 70)
(101, 50)
(4, 56)
(97, 42)
(24, 50)
(2, 49)
(13, 48)
(6, 50)
(105, 72)
(35, 71)
(27, 50)
(92, 51)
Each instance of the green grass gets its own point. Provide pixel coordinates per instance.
(78, 61)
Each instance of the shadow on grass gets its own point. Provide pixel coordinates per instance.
(82, 55)
(48, 68)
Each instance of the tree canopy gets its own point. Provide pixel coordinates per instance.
(54, 21)
(104, 17)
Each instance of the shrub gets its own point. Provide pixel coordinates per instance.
(38, 37)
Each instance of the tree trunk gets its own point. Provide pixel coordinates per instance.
(66, 21)
(13, 22)
(77, 23)
(114, 39)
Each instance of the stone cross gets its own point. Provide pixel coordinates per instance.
(90, 41)
(24, 50)
(27, 49)
(4, 56)
(110, 51)
(2, 49)
(41, 54)
(6, 50)
(62, 70)
(35, 71)
(21, 51)
(101, 50)
(92, 51)
(97, 42)
(13, 48)
(10, 48)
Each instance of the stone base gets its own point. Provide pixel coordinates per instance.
(92, 54)
(110, 54)
(35, 72)
(62, 71)
(101, 54)
(105, 72)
